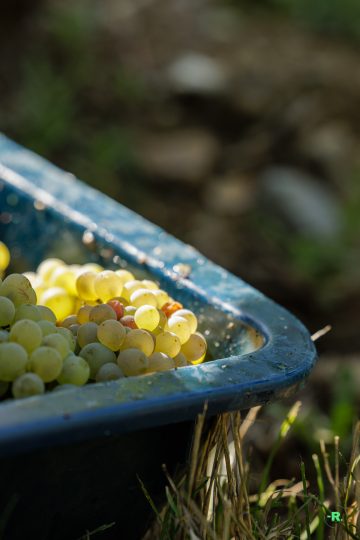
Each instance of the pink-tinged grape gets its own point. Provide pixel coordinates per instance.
(18, 289)
(125, 275)
(28, 384)
(46, 327)
(159, 361)
(68, 335)
(109, 372)
(65, 278)
(85, 286)
(7, 311)
(149, 284)
(27, 311)
(194, 348)
(111, 334)
(46, 362)
(4, 257)
(130, 287)
(118, 307)
(87, 333)
(147, 317)
(180, 360)
(171, 307)
(59, 301)
(13, 361)
(139, 339)
(26, 333)
(190, 317)
(58, 342)
(132, 362)
(75, 371)
(47, 267)
(101, 313)
(68, 321)
(4, 336)
(162, 298)
(108, 285)
(180, 327)
(84, 314)
(168, 343)
(96, 356)
(143, 297)
(46, 314)
(129, 322)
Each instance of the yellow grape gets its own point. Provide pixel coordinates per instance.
(46, 362)
(194, 348)
(190, 317)
(168, 343)
(65, 278)
(111, 334)
(85, 286)
(180, 327)
(139, 339)
(59, 301)
(159, 361)
(125, 275)
(108, 285)
(147, 317)
(132, 362)
(47, 267)
(149, 284)
(143, 297)
(83, 315)
(4, 257)
(162, 298)
(101, 313)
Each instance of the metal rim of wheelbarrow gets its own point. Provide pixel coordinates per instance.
(100, 409)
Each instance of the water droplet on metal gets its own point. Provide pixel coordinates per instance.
(184, 270)
(39, 205)
(88, 238)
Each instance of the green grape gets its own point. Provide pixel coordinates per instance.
(132, 362)
(4, 257)
(87, 333)
(47, 267)
(143, 297)
(67, 334)
(4, 336)
(139, 339)
(162, 298)
(58, 342)
(101, 313)
(159, 361)
(18, 289)
(147, 317)
(46, 314)
(107, 285)
(13, 361)
(46, 362)
(149, 284)
(59, 301)
(46, 327)
(32, 277)
(130, 287)
(68, 321)
(28, 384)
(190, 317)
(26, 333)
(180, 327)
(194, 348)
(4, 387)
(125, 275)
(168, 343)
(84, 314)
(85, 286)
(74, 328)
(96, 355)
(7, 311)
(180, 360)
(27, 311)
(111, 334)
(109, 372)
(75, 371)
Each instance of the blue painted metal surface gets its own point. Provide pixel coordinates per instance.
(48, 212)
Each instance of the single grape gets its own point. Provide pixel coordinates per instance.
(96, 355)
(13, 361)
(159, 361)
(18, 289)
(68, 321)
(26, 333)
(139, 339)
(162, 298)
(4, 257)
(101, 313)
(132, 362)
(59, 301)
(90, 267)
(180, 327)
(180, 360)
(46, 362)
(128, 321)
(68, 335)
(65, 278)
(168, 343)
(143, 297)
(27, 311)
(171, 307)
(109, 372)
(118, 307)
(84, 314)
(47, 267)
(74, 328)
(46, 327)
(190, 317)
(28, 384)
(130, 310)
(7, 311)
(32, 277)
(111, 334)
(125, 275)
(108, 285)
(58, 342)
(147, 317)
(149, 284)
(85, 286)
(194, 348)
(46, 314)
(130, 287)
(4, 336)
(75, 371)
(87, 333)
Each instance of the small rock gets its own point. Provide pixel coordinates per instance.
(302, 201)
(197, 73)
(229, 195)
(182, 155)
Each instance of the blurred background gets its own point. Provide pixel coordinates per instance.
(234, 125)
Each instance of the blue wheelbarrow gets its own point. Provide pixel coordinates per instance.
(69, 460)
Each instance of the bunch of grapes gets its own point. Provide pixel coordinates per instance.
(71, 324)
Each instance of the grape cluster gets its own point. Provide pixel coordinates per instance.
(90, 324)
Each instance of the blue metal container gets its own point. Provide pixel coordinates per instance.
(72, 457)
